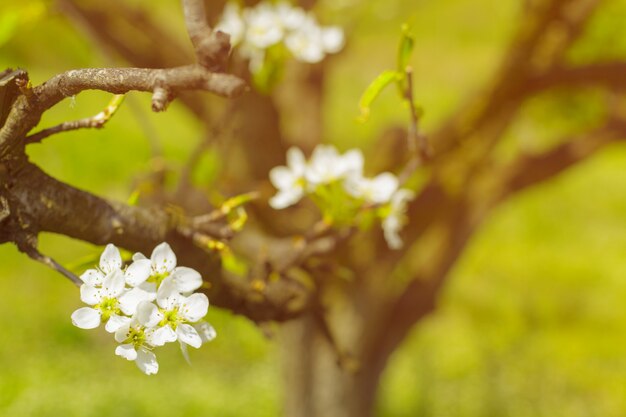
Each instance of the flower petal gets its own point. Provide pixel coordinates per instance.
(296, 161)
(163, 335)
(383, 187)
(146, 362)
(148, 314)
(113, 284)
(115, 322)
(184, 351)
(195, 307)
(163, 258)
(110, 259)
(126, 351)
(138, 272)
(286, 198)
(90, 295)
(282, 177)
(205, 330)
(138, 256)
(86, 318)
(187, 334)
(130, 300)
(186, 279)
(92, 277)
(122, 333)
(332, 39)
(167, 294)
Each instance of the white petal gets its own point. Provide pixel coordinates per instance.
(113, 284)
(146, 361)
(90, 295)
(187, 334)
(352, 163)
(167, 294)
(286, 198)
(138, 272)
(282, 177)
(163, 335)
(138, 256)
(296, 161)
(383, 187)
(195, 307)
(126, 351)
(86, 318)
(186, 279)
(130, 300)
(115, 322)
(92, 277)
(391, 227)
(148, 314)
(110, 259)
(149, 287)
(332, 39)
(184, 351)
(163, 258)
(205, 330)
(121, 334)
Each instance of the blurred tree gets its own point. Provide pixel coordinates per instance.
(345, 301)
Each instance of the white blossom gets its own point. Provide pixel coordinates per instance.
(377, 190)
(173, 317)
(327, 165)
(306, 42)
(289, 180)
(107, 301)
(396, 217)
(162, 266)
(123, 299)
(137, 345)
(263, 26)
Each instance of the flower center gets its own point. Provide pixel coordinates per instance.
(171, 317)
(136, 336)
(108, 307)
(158, 277)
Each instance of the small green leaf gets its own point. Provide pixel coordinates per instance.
(374, 89)
(405, 48)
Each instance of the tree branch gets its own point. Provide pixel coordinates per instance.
(211, 48)
(94, 122)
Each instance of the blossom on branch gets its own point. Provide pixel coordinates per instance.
(123, 298)
(335, 182)
(266, 26)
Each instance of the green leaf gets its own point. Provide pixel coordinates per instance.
(374, 89)
(405, 48)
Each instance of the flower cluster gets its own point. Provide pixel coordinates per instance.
(331, 178)
(147, 304)
(266, 25)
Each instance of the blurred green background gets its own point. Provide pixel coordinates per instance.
(532, 322)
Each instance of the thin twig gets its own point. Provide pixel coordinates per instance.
(416, 142)
(48, 261)
(94, 122)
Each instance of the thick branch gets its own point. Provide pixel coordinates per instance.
(44, 204)
(123, 80)
(531, 169)
(211, 48)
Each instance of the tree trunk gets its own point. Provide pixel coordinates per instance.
(318, 382)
